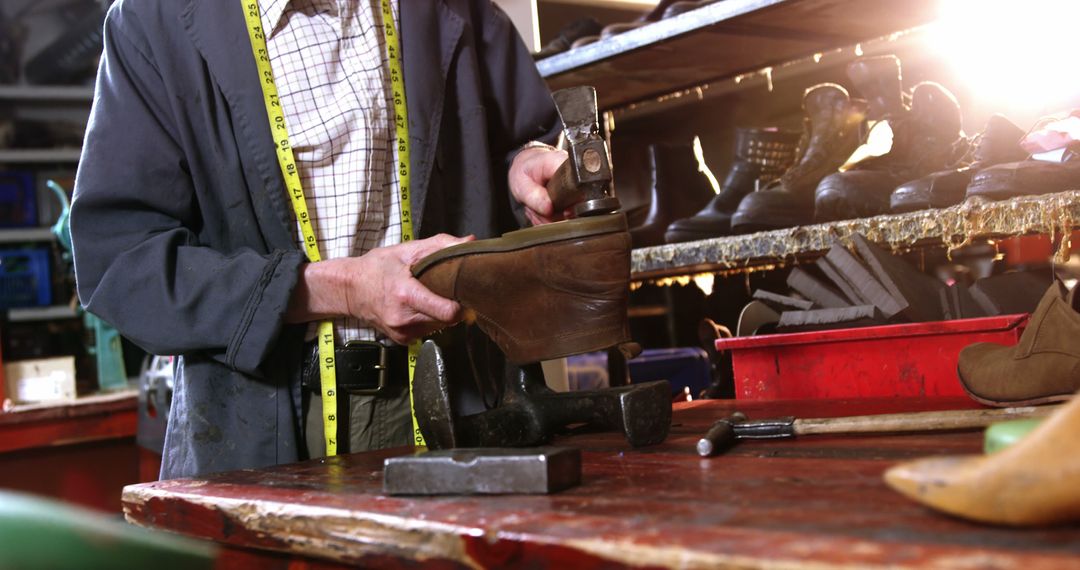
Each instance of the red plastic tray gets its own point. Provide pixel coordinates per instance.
(917, 359)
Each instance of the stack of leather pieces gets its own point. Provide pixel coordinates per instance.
(870, 286)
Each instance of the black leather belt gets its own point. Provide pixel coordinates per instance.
(363, 367)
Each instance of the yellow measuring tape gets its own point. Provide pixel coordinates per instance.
(287, 162)
(401, 125)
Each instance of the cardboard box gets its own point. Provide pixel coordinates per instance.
(41, 380)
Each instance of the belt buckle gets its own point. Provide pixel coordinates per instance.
(383, 367)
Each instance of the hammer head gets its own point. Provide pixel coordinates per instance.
(584, 180)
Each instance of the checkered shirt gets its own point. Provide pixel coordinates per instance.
(331, 70)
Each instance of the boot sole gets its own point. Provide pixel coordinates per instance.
(1011, 403)
(529, 237)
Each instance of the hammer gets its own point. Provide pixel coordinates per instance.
(726, 432)
(584, 180)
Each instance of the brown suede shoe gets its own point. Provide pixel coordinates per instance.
(1043, 367)
(543, 292)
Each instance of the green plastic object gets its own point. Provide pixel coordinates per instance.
(1002, 435)
(37, 533)
(107, 351)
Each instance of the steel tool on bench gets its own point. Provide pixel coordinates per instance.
(489, 471)
(529, 413)
(726, 432)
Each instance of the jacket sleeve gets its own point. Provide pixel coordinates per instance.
(138, 261)
(518, 102)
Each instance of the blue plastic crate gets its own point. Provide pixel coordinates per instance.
(24, 278)
(686, 367)
(18, 200)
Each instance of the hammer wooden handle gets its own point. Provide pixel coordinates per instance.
(918, 421)
(563, 189)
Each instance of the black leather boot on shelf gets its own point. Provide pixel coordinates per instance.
(878, 80)
(649, 17)
(832, 125)
(999, 142)
(926, 138)
(761, 156)
(572, 32)
(684, 6)
(679, 189)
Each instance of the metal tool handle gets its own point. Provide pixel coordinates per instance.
(563, 188)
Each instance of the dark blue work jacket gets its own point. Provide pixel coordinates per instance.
(183, 235)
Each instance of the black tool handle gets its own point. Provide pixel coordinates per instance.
(777, 428)
(720, 437)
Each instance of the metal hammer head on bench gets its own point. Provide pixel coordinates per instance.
(531, 413)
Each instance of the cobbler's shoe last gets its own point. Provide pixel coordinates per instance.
(1043, 367)
(543, 292)
(1032, 482)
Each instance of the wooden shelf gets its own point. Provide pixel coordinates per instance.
(722, 40)
(38, 156)
(22, 235)
(46, 94)
(42, 313)
(1052, 214)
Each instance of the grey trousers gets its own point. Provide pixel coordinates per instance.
(374, 423)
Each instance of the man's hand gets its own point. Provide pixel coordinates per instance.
(529, 174)
(379, 289)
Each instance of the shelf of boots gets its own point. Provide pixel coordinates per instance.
(724, 39)
(951, 228)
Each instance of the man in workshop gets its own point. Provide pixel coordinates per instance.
(186, 239)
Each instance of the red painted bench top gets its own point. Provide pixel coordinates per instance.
(812, 502)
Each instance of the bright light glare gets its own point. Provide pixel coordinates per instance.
(1018, 53)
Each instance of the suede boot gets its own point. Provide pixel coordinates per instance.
(543, 292)
(1043, 367)
(679, 189)
(761, 156)
(832, 124)
(998, 143)
(926, 138)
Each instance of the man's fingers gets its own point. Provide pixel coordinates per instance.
(419, 249)
(421, 300)
(550, 162)
(535, 199)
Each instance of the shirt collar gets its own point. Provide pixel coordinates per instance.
(273, 10)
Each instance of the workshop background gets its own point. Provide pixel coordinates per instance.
(84, 410)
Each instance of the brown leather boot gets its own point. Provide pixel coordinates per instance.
(1032, 482)
(833, 121)
(926, 139)
(679, 188)
(1043, 367)
(761, 156)
(543, 292)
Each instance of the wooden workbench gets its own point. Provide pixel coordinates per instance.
(82, 451)
(811, 503)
